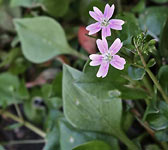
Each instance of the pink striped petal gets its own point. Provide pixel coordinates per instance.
(108, 12)
(118, 62)
(102, 45)
(106, 32)
(103, 70)
(96, 59)
(95, 16)
(116, 24)
(116, 46)
(98, 12)
(93, 28)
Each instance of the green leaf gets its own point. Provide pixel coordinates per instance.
(136, 73)
(152, 20)
(1, 148)
(163, 45)
(162, 135)
(7, 14)
(52, 139)
(85, 110)
(93, 145)
(8, 89)
(25, 3)
(56, 8)
(162, 76)
(151, 63)
(42, 38)
(71, 137)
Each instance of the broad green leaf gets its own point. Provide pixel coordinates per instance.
(86, 110)
(162, 76)
(8, 89)
(93, 145)
(25, 3)
(56, 8)
(136, 73)
(90, 105)
(163, 45)
(152, 20)
(42, 38)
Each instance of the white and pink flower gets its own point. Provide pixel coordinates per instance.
(108, 56)
(104, 22)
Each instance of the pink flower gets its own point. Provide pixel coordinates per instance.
(104, 21)
(107, 57)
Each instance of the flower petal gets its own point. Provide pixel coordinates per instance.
(118, 62)
(93, 28)
(116, 24)
(95, 16)
(108, 12)
(103, 70)
(98, 12)
(102, 45)
(116, 46)
(106, 32)
(96, 59)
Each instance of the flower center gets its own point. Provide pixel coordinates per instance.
(105, 22)
(107, 57)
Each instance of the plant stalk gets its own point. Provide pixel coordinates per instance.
(151, 75)
(25, 123)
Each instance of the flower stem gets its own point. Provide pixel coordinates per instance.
(23, 142)
(25, 123)
(119, 5)
(151, 75)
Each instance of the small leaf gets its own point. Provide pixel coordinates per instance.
(42, 38)
(136, 73)
(151, 63)
(93, 145)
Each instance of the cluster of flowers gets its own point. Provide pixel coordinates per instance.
(108, 55)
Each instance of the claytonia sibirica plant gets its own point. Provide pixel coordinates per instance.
(104, 21)
(107, 57)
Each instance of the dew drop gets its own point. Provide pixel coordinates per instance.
(71, 139)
